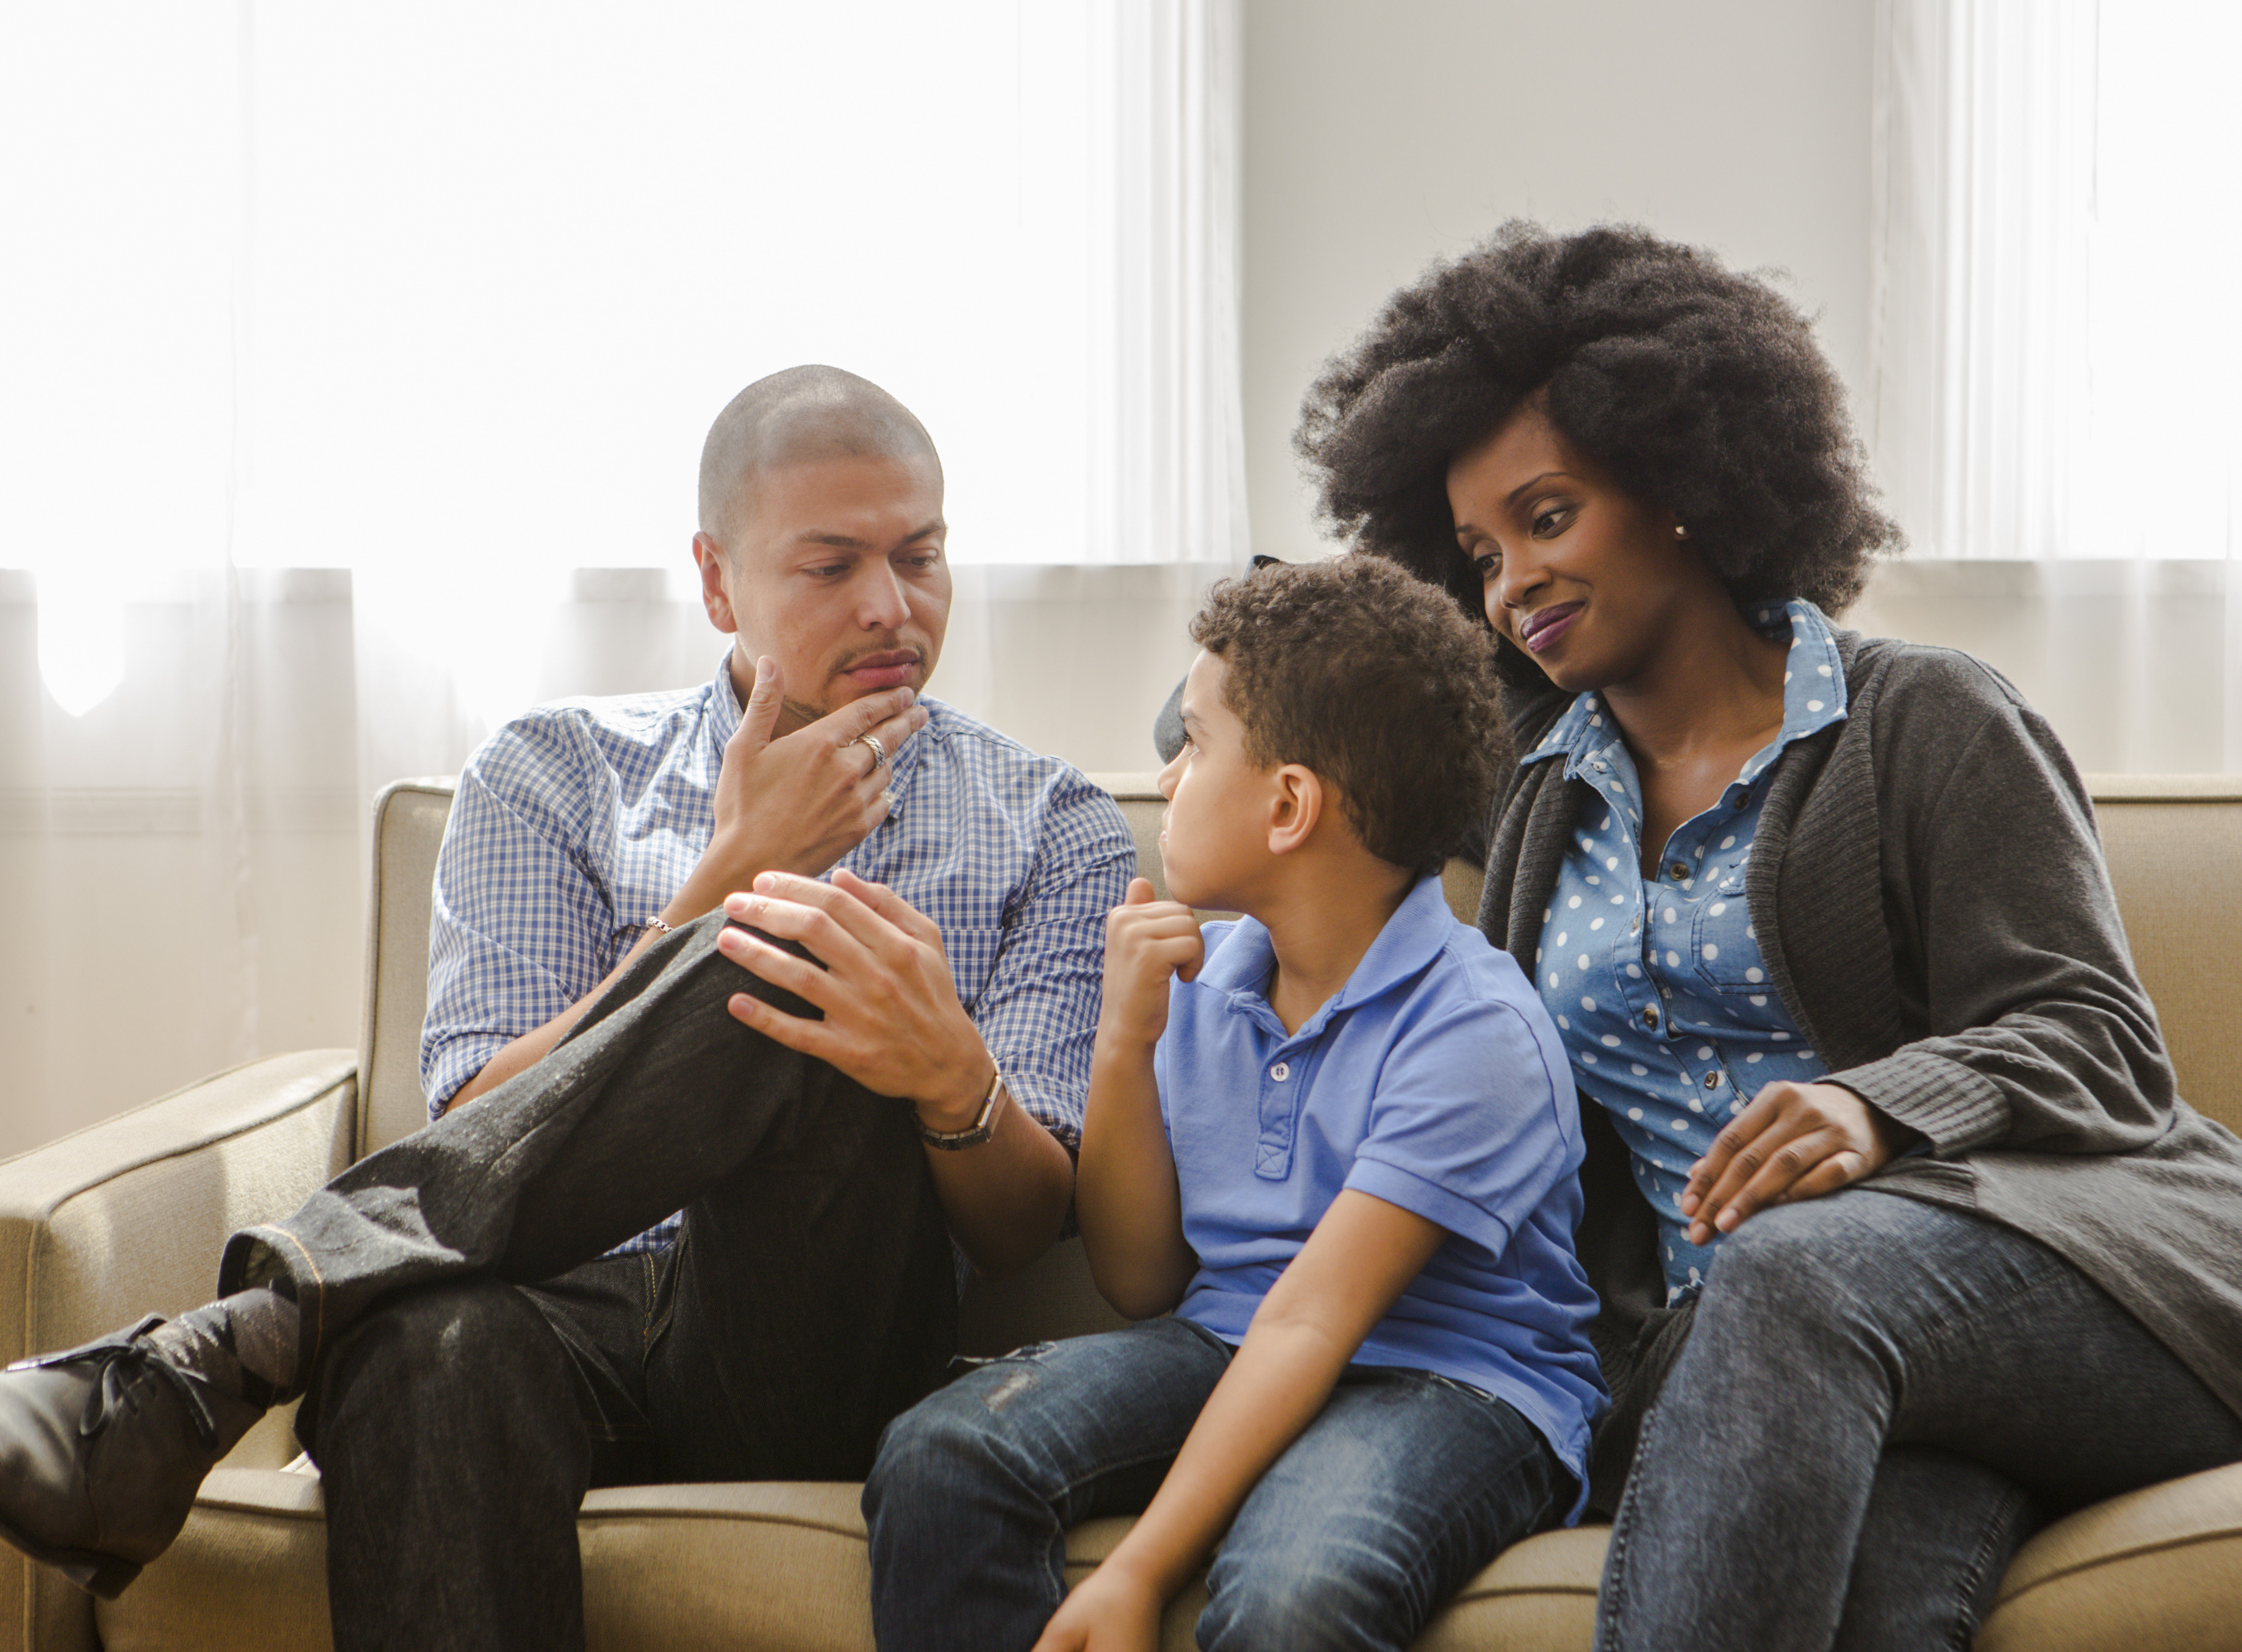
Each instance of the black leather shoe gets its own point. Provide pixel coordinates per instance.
(101, 1451)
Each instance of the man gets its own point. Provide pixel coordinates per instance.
(605, 1053)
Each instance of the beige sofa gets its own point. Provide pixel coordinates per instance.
(126, 1217)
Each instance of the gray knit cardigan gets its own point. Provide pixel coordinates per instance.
(1929, 888)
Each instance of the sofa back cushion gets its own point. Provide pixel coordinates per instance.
(408, 829)
(2174, 844)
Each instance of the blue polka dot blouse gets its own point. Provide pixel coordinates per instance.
(1658, 983)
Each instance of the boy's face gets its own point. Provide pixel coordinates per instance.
(1214, 836)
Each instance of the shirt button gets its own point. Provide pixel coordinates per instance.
(1650, 1017)
(1677, 869)
(1281, 1072)
(1712, 1081)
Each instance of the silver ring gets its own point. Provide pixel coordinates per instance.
(879, 751)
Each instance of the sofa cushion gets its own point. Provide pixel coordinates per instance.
(2158, 1570)
(783, 1567)
(740, 1567)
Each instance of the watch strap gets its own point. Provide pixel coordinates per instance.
(982, 1127)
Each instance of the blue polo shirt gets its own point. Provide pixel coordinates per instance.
(1433, 1080)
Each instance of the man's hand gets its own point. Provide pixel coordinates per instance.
(1111, 1610)
(1147, 943)
(800, 802)
(892, 1019)
(1793, 1142)
(893, 1024)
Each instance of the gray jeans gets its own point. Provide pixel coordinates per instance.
(473, 1369)
(1879, 1401)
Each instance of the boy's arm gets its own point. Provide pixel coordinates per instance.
(1362, 1255)
(1125, 1196)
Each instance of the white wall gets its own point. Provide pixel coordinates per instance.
(1379, 137)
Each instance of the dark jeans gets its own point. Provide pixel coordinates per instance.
(1878, 1401)
(1402, 1487)
(472, 1369)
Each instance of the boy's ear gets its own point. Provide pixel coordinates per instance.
(1295, 807)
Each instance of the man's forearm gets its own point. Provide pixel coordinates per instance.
(702, 892)
(534, 1046)
(1006, 1197)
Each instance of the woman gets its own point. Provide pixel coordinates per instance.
(1824, 920)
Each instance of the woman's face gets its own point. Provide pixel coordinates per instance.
(1587, 579)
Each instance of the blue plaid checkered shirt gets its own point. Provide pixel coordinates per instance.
(575, 822)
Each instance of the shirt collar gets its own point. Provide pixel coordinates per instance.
(1813, 692)
(725, 712)
(1243, 959)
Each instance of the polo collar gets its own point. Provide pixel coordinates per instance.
(1244, 960)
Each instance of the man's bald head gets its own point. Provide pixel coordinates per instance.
(798, 416)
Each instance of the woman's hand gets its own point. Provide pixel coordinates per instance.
(1112, 1610)
(1793, 1142)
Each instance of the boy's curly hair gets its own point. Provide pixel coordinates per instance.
(1356, 670)
(1698, 390)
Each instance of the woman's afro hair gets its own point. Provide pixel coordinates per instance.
(1698, 390)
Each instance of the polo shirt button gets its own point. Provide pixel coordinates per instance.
(1650, 1017)
(1281, 1072)
(1677, 869)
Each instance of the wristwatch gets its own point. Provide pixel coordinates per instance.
(982, 1127)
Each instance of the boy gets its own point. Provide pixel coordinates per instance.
(1336, 1140)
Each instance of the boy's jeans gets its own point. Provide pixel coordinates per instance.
(1403, 1488)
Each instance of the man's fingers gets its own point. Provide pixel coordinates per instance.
(845, 725)
(815, 1038)
(786, 970)
(760, 715)
(891, 732)
(816, 924)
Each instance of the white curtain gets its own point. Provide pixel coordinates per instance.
(2058, 216)
(354, 362)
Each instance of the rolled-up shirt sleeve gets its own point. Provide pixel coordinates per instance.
(520, 928)
(1038, 1011)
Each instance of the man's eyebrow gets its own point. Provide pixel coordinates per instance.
(850, 542)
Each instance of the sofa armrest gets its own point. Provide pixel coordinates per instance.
(125, 1218)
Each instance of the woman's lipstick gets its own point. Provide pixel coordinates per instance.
(1540, 629)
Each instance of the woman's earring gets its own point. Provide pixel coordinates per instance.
(1680, 532)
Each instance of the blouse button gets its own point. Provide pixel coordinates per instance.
(1712, 1081)
(1677, 869)
(1281, 1072)
(1650, 1017)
